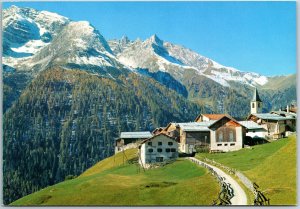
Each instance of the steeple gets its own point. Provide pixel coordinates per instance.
(256, 103)
(256, 96)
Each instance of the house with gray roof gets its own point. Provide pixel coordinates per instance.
(276, 125)
(221, 135)
(130, 139)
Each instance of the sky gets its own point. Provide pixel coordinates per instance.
(250, 36)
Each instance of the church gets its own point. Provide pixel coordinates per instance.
(273, 125)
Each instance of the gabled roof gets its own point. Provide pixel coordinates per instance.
(229, 118)
(211, 116)
(144, 141)
(269, 116)
(135, 135)
(250, 125)
(256, 96)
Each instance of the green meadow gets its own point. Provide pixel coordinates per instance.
(112, 182)
(272, 166)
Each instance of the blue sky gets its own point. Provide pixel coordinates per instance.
(250, 36)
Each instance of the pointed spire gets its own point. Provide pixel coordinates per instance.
(256, 96)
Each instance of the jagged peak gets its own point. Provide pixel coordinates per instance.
(125, 39)
(155, 40)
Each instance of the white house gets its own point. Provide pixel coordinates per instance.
(158, 148)
(254, 130)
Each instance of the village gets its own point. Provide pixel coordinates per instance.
(210, 133)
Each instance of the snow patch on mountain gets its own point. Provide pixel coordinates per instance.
(30, 47)
(26, 30)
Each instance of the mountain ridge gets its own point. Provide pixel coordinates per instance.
(67, 93)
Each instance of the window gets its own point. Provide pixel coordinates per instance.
(225, 144)
(168, 150)
(258, 105)
(150, 150)
(220, 136)
(159, 150)
(232, 144)
(170, 143)
(252, 105)
(159, 143)
(150, 143)
(159, 159)
(173, 150)
(219, 145)
(231, 136)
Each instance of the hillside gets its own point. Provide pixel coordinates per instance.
(66, 120)
(68, 93)
(272, 166)
(111, 182)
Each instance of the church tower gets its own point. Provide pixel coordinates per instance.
(256, 103)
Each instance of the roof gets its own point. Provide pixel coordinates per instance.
(250, 125)
(135, 135)
(212, 116)
(195, 126)
(256, 96)
(228, 117)
(285, 113)
(269, 116)
(156, 136)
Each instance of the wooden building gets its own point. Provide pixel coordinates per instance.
(129, 139)
(276, 125)
(226, 134)
(158, 148)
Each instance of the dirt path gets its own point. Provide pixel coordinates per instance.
(239, 197)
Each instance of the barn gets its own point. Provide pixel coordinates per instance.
(226, 134)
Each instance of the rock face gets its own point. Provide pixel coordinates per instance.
(26, 30)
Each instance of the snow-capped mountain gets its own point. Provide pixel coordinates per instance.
(27, 30)
(34, 40)
(157, 55)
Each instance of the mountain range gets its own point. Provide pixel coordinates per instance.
(68, 93)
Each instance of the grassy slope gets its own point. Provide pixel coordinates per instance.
(272, 166)
(111, 183)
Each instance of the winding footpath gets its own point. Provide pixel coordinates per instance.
(239, 197)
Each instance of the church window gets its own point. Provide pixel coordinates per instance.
(220, 136)
(231, 136)
(252, 105)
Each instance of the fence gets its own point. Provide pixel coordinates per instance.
(226, 193)
(259, 197)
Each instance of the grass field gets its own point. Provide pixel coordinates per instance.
(272, 166)
(111, 183)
